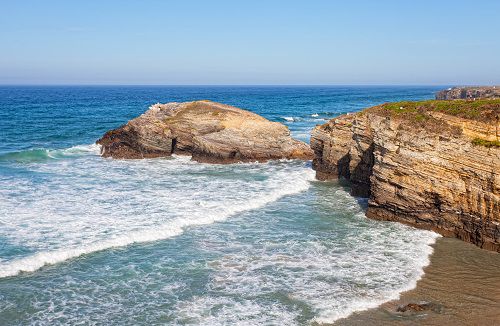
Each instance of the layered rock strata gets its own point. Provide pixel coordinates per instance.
(433, 164)
(209, 131)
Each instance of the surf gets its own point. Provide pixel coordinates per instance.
(190, 209)
(42, 154)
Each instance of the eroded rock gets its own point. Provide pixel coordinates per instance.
(209, 131)
(432, 164)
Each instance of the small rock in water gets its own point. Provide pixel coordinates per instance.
(416, 307)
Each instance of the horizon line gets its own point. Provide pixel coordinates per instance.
(247, 85)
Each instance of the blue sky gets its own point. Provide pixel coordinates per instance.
(249, 42)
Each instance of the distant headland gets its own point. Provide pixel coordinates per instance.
(469, 92)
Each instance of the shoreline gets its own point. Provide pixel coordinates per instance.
(461, 286)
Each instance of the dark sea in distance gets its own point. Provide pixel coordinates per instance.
(88, 240)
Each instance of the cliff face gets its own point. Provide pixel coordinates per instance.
(434, 164)
(469, 93)
(209, 131)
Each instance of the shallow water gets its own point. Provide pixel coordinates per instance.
(462, 285)
(92, 240)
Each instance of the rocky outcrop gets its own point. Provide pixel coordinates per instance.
(209, 131)
(433, 164)
(469, 93)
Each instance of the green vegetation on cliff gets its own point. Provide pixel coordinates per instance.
(428, 115)
(486, 143)
(485, 110)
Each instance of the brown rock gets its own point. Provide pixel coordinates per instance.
(209, 131)
(434, 164)
(416, 307)
(331, 144)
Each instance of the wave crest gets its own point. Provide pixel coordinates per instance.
(42, 154)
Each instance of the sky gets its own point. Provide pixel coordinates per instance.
(254, 42)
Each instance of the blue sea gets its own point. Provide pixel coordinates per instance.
(92, 241)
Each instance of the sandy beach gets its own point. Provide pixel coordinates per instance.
(461, 286)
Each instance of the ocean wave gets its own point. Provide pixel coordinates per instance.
(120, 219)
(42, 154)
(206, 212)
(305, 119)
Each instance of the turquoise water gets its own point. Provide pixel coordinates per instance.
(169, 241)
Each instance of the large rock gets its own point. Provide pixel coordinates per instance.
(433, 164)
(478, 92)
(209, 131)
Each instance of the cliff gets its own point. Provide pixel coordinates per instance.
(431, 164)
(469, 93)
(209, 131)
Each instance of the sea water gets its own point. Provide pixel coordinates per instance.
(89, 240)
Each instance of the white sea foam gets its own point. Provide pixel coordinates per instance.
(79, 149)
(289, 119)
(384, 291)
(261, 273)
(332, 279)
(314, 115)
(94, 204)
(371, 264)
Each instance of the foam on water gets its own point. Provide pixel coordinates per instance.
(91, 204)
(279, 264)
(285, 250)
(81, 203)
(364, 265)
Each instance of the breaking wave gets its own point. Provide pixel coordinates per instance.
(131, 202)
(42, 154)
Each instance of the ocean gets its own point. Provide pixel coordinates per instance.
(89, 240)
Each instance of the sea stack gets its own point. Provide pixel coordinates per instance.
(431, 164)
(208, 131)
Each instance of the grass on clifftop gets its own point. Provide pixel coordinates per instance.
(419, 114)
(485, 110)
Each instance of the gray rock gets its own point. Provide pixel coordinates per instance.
(469, 93)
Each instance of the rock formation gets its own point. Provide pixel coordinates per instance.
(209, 131)
(469, 93)
(431, 164)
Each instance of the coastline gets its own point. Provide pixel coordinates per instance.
(321, 248)
(461, 283)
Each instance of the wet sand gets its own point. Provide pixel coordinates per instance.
(461, 285)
